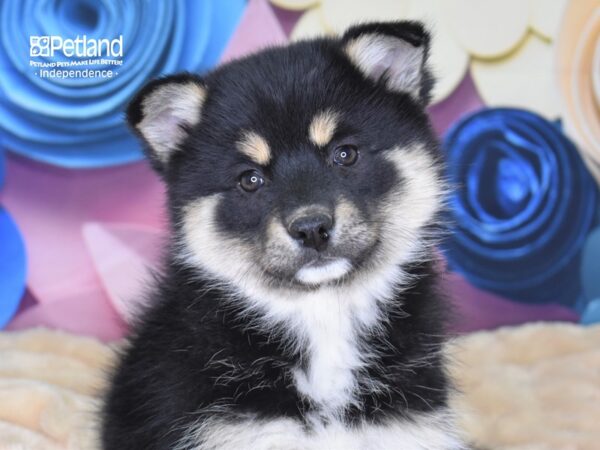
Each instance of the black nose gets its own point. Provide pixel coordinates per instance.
(312, 230)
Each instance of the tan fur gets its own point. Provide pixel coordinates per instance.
(322, 127)
(255, 147)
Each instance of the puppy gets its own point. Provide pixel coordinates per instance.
(298, 306)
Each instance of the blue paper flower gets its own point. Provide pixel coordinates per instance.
(523, 206)
(12, 268)
(12, 261)
(77, 121)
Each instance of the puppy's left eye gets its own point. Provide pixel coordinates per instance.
(251, 181)
(345, 155)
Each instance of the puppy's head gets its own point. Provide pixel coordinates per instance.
(300, 166)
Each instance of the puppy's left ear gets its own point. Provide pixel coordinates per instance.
(164, 112)
(394, 53)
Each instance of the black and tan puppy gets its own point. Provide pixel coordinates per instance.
(298, 307)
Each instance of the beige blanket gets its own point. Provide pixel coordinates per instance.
(526, 388)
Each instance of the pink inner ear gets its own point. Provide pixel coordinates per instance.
(405, 66)
(169, 124)
(385, 62)
(398, 61)
(395, 64)
(378, 70)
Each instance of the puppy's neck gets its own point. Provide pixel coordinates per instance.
(329, 327)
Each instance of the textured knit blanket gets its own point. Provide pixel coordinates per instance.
(525, 388)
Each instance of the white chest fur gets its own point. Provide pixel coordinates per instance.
(326, 326)
(331, 329)
(426, 432)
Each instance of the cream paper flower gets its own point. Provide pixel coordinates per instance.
(508, 44)
(578, 62)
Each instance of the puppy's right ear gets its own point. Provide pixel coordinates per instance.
(163, 113)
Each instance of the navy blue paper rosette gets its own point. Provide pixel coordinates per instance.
(522, 208)
(77, 121)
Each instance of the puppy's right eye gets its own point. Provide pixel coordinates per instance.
(345, 155)
(251, 181)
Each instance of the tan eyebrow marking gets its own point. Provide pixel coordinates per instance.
(255, 147)
(323, 127)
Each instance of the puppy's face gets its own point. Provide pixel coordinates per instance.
(299, 166)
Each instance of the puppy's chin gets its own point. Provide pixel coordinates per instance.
(323, 271)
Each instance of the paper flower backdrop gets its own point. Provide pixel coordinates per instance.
(506, 44)
(2, 169)
(12, 261)
(77, 121)
(449, 60)
(523, 206)
(103, 244)
(578, 60)
(590, 280)
(12, 267)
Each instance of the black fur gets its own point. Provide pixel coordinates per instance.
(172, 371)
(164, 380)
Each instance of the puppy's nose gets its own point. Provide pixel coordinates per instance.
(312, 230)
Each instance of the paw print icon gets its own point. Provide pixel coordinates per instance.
(39, 46)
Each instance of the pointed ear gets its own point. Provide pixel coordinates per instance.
(163, 113)
(394, 53)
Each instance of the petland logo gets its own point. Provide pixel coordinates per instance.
(75, 53)
(81, 47)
